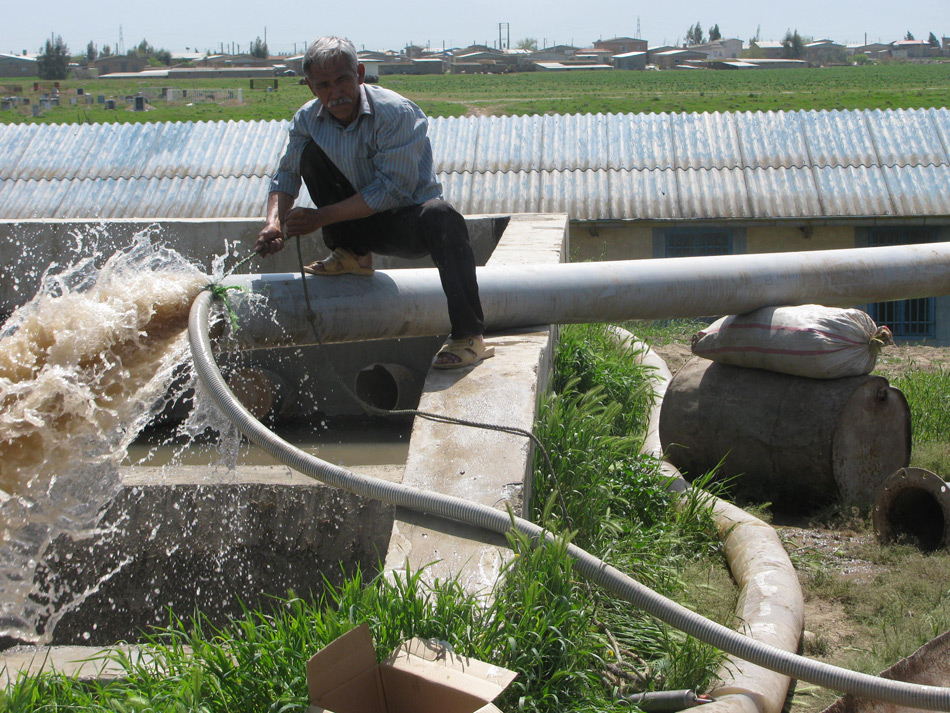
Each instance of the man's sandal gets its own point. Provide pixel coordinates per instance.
(340, 262)
(468, 351)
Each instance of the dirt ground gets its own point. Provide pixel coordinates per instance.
(837, 549)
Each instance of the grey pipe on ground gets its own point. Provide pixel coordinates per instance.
(599, 572)
(362, 308)
(771, 607)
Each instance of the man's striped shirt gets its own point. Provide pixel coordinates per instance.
(385, 152)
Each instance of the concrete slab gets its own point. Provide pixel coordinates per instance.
(183, 537)
(35, 245)
(194, 538)
(483, 466)
(83, 663)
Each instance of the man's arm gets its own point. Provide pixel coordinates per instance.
(284, 220)
(271, 238)
(301, 221)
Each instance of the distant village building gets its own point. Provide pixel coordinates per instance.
(228, 61)
(769, 49)
(372, 69)
(119, 64)
(591, 56)
(413, 66)
(719, 49)
(823, 52)
(910, 49)
(483, 59)
(17, 65)
(555, 53)
(672, 59)
(571, 67)
(185, 57)
(874, 50)
(621, 45)
(756, 63)
(652, 52)
(630, 60)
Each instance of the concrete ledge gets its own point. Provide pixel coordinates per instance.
(83, 663)
(487, 467)
(191, 538)
(188, 538)
(35, 245)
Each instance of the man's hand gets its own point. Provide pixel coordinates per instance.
(269, 241)
(271, 238)
(302, 221)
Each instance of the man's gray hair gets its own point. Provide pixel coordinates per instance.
(327, 51)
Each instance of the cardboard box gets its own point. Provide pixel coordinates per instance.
(419, 677)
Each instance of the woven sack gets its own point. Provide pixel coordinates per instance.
(805, 340)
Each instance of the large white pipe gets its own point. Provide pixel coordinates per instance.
(403, 303)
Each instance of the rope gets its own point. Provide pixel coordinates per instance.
(219, 291)
(438, 418)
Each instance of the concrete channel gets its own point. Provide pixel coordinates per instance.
(491, 469)
(192, 538)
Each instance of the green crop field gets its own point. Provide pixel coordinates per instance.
(885, 86)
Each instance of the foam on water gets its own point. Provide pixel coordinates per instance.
(83, 367)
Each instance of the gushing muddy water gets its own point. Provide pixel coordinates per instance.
(83, 367)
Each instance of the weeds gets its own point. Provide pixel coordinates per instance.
(618, 503)
(573, 646)
(928, 396)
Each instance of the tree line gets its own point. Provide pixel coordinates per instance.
(54, 58)
(793, 43)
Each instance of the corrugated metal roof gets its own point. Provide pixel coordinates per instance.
(744, 166)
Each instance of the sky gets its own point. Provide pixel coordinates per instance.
(180, 26)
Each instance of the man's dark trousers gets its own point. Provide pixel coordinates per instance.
(433, 228)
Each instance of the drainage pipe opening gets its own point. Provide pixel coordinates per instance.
(387, 386)
(913, 504)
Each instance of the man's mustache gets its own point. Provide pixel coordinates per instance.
(338, 101)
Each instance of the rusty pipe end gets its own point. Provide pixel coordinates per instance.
(913, 505)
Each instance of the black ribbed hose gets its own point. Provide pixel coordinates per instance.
(862, 685)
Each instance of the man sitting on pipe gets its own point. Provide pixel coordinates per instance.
(354, 134)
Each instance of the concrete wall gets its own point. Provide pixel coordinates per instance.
(641, 240)
(635, 240)
(484, 466)
(610, 241)
(788, 238)
(33, 246)
(195, 538)
(37, 245)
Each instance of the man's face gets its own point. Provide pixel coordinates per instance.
(338, 89)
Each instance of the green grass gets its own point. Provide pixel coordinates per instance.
(616, 501)
(885, 86)
(667, 331)
(573, 646)
(928, 396)
(537, 625)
